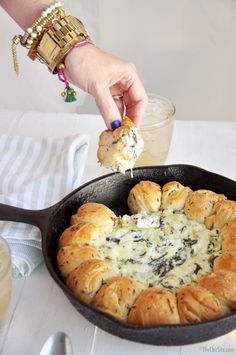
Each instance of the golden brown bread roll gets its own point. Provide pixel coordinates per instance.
(86, 279)
(197, 304)
(81, 233)
(97, 214)
(154, 306)
(225, 262)
(144, 197)
(229, 243)
(228, 235)
(223, 212)
(116, 297)
(228, 230)
(71, 256)
(222, 285)
(199, 204)
(74, 219)
(174, 195)
(118, 150)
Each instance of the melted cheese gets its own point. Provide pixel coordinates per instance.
(163, 249)
(131, 150)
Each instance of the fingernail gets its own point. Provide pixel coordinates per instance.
(115, 124)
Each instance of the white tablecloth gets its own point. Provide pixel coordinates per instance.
(38, 306)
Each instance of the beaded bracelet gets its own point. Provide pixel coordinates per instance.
(32, 36)
(50, 39)
(69, 93)
(46, 18)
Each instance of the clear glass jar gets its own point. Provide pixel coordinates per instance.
(5, 281)
(156, 130)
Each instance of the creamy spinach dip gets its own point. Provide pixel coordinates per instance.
(162, 249)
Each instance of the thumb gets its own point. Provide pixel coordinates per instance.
(107, 107)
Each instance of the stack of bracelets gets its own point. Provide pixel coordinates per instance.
(50, 39)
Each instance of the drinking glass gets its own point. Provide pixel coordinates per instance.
(156, 130)
(5, 281)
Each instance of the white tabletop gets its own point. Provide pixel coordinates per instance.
(39, 307)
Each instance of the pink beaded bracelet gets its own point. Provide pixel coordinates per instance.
(69, 93)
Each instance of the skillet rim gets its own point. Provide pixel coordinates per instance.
(107, 318)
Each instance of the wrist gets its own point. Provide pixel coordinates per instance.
(51, 38)
(79, 44)
(76, 64)
(25, 13)
(77, 54)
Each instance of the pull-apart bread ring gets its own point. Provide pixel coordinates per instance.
(71, 256)
(223, 212)
(174, 195)
(225, 262)
(197, 304)
(228, 235)
(173, 260)
(117, 296)
(199, 204)
(86, 280)
(154, 306)
(222, 285)
(145, 197)
(118, 150)
(81, 233)
(97, 214)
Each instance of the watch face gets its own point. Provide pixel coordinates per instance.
(58, 40)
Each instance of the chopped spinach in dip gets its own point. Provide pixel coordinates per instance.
(162, 249)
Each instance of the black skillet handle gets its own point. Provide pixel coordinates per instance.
(38, 218)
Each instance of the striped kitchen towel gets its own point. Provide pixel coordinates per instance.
(35, 174)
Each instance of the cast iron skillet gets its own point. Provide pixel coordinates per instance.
(112, 190)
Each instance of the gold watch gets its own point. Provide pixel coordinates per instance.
(58, 40)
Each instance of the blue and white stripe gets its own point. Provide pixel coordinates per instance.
(35, 174)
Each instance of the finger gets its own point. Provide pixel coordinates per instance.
(135, 100)
(106, 105)
(135, 110)
(119, 103)
(117, 95)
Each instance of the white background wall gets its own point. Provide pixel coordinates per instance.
(183, 49)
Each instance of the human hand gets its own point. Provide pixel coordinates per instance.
(104, 76)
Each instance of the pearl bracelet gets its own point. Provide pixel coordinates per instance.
(33, 34)
(50, 39)
(46, 16)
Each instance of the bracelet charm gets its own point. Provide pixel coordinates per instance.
(50, 39)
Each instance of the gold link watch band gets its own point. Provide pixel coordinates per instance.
(57, 41)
